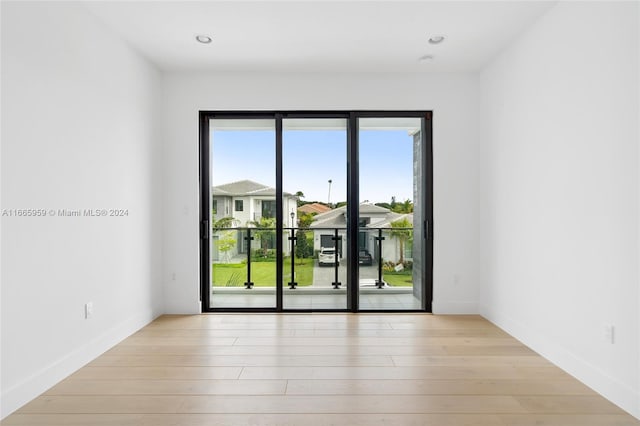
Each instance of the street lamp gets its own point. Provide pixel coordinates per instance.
(293, 283)
(329, 197)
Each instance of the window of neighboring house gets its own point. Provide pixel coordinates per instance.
(239, 205)
(363, 222)
(270, 240)
(215, 206)
(268, 208)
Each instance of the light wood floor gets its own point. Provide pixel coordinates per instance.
(320, 369)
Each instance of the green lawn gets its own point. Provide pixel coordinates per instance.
(263, 274)
(398, 279)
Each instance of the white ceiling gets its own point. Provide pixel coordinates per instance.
(319, 36)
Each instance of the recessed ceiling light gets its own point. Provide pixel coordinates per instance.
(436, 39)
(203, 38)
(425, 59)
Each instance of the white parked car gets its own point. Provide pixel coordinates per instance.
(327, 256)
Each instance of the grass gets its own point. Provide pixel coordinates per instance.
(263, 274)
(398, 279)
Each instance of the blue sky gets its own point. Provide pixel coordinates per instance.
(312, 157)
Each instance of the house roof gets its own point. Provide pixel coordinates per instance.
(314, 208)
(244, 188)
(393, 217)
(337, 218)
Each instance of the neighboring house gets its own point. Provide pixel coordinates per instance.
(372, 218)
(312, 208)
(246, 202)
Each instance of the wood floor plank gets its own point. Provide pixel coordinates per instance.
(102, 404)
(431, 372)
(488, 350)
(316, 331)
(209, 333)
(438, 387)
(242, 361)
(296, 326)
(212, 341)
(564, 404)
(295, 350)
(152, 373)
(479, 360)
(373, 341)
(353, 404)
(257, 419)
(410, 333)
(168, 387)
(567, 420)
(319, 369)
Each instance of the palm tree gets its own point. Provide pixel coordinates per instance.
(402, 230)
(407, 206)
(225, 222)
(404, 207)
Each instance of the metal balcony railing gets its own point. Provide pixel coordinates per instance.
(237, 245)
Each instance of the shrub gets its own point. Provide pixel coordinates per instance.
(388, 266)
(304, 247)
(260, 255)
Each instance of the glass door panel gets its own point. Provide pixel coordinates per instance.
(243, 230)
(391, 191)
(315, 192)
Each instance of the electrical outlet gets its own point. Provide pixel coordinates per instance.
(609, 333)
(88, 310)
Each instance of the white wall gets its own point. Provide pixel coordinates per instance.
(79, 132)
(559, 193)
(453, 98)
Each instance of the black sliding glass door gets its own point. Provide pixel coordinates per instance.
(314, 166)
(317, 211)
(390, 214)
(243, 213)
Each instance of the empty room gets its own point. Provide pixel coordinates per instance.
(320, 212)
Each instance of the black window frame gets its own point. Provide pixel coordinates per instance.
(352, 118)
(235, 205)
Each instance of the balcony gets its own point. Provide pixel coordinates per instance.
(244, 262)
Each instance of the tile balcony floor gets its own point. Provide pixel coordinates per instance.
(301, 298)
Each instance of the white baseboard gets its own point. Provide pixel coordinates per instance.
(609, 387)
(194, 308)
(23, 392)
(454, 307)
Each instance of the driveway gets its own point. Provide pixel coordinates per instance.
(323, 276)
